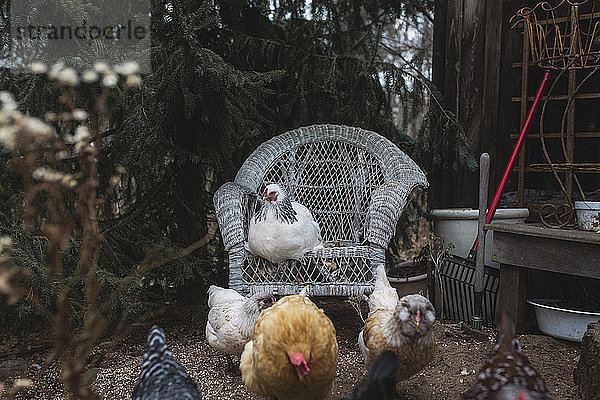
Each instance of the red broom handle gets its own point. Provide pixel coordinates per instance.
(515, 152)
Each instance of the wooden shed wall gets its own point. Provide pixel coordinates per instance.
(477, 66)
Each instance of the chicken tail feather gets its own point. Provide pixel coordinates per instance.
(384, 296)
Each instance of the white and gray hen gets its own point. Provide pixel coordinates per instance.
(282, 229)
(162, 377)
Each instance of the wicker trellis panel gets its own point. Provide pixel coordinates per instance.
(356, 184)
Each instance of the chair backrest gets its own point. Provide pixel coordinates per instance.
(333, 170)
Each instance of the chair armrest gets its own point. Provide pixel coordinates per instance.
(387, 205)
(231, 201)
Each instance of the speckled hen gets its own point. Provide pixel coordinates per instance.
(507, 374)
(162, 377)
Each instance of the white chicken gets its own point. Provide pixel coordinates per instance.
(218, 295)
(282, 229)
(231, 319)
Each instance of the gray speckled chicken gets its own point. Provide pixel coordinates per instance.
(162, 377)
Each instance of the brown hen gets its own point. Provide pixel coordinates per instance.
(402, 326)
(293, 353)
(508, 375)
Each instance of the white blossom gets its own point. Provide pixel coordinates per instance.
(8, 137)
(66, 180)
(38, 68)
(38, 173)
(89, 76)
(5, 242)
(68, 76)
(38, 127)
(47, 175)
(101, 67)
(110, 80)
(79, 114)
(81, 133)
(133, 81)
(6, 96)
(55, 70)
(8, 101)
(127, 68)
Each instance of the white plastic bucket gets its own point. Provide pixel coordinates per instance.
(459, 226)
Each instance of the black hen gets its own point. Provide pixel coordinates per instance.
(162, 376)
(381, 383)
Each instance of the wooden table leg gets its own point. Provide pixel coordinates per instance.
(511, 294)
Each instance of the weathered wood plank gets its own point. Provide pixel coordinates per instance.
(538, 230)
(511, 294)
(470, 94)
(547, 254)
(491, 82)
(438, 68)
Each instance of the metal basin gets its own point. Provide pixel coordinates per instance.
(560, 322)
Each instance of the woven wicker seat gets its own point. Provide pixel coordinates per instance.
(356, 184)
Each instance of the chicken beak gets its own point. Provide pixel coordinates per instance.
(418, 320)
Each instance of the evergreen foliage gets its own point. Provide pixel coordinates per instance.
(227, 75)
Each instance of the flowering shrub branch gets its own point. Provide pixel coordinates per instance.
(58, 158)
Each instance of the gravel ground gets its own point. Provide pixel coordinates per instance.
(442, 379)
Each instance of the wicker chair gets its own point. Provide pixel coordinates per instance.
(356, 184)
